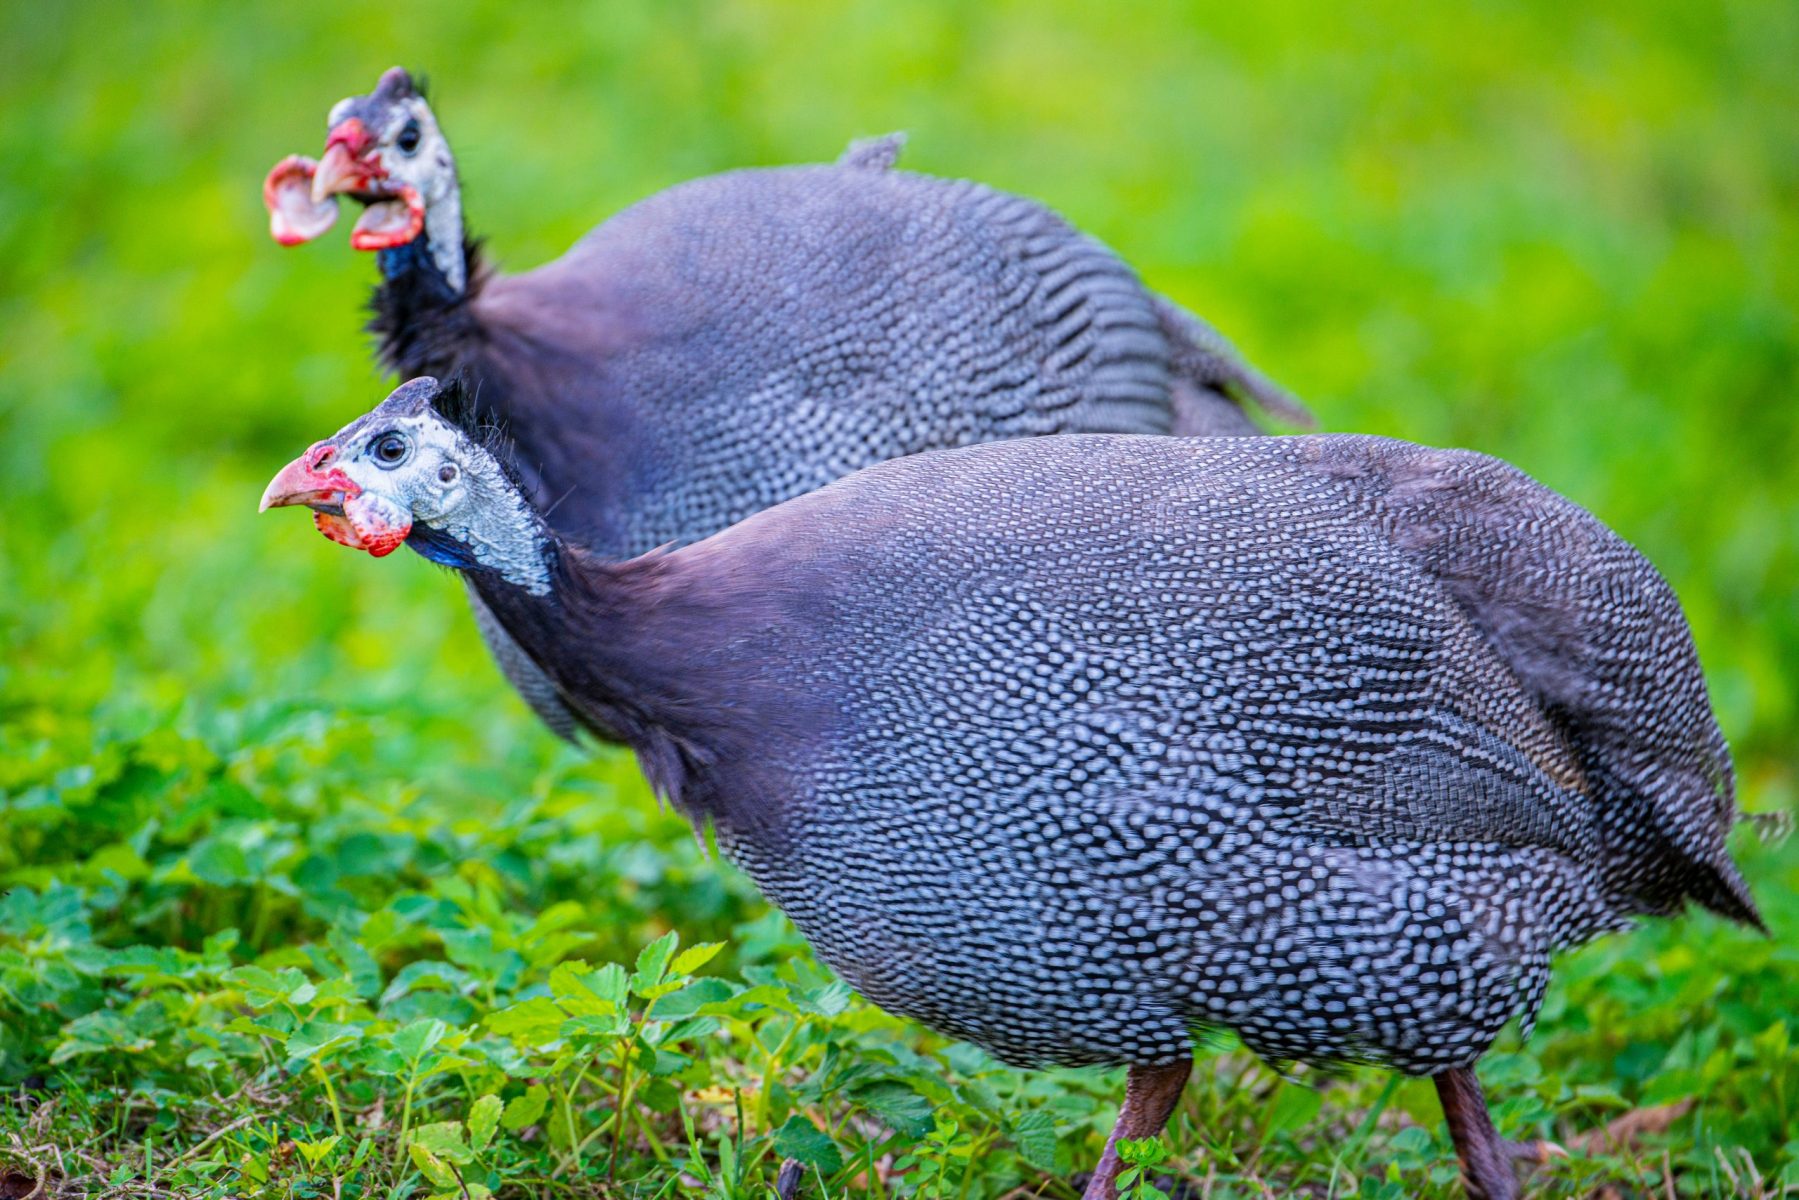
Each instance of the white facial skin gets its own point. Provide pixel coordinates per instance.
(413, 151)
(421, 469)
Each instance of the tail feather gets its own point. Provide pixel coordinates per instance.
(1722, 888)
(1220, 382)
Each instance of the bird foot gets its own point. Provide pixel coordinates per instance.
(789, 1178)
(1534, 1154)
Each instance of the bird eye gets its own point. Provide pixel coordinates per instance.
(408, 141)
(390, 450)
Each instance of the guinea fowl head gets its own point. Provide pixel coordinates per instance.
(407, 473)
(385, 150)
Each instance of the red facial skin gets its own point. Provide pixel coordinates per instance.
(294, 217)
(379, 525)
(368, 523)
(352, 134)
(299, 193)
(362, 238)
(338, 529)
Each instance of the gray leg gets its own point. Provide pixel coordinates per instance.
(1486, 1158)
(1150, 1094)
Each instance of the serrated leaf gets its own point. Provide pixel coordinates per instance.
(827, 1001)
(528, 1019)
(315, 1039)
(691, 999)
(364, 973)
(445, 1140)
(483, 1119)
(582, 991)
(694, 957)
(526, 1109)
(427, 975)
(903, 1110)
(431, 1167)
(412, 1040)
(800, 1139)
(652, 961)
(1034, 1133)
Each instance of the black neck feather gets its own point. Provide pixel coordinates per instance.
(425, 325)
(593, 635)
(652, 653)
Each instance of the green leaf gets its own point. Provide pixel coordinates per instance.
(827, 1001)
(315, 1039)
(483, 1119)
(802, 1140)
(246, 1025)
(431, 1167)
(365, 974)
(689, 1000)
(1294, 1106)
(316, 1152)
(526, 1109)
(652, 961)
(220, 863)
(695, 957)
(909, 1114)
(412, 1040)
(582, 991)
(1034, 1133)
(528, 1020)
(445, 1140)
(1772, 1042)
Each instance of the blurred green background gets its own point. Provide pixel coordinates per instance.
(1560, 233)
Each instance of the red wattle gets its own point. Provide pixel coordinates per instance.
(287, 194)
(380, 525)
(378, 229)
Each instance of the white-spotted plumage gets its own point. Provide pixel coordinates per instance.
(1074, 746)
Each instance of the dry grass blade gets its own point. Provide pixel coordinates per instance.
(1622, 1133)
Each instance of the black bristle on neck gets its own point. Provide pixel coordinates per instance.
(423, 324)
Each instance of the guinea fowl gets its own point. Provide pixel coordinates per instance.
(1073, 746)
(745, 338)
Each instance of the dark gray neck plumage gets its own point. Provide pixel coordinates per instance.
(438, 250)
(622, 641)
(421, 306)
(594, 629)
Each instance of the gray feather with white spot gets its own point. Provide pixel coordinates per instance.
(1070, 746)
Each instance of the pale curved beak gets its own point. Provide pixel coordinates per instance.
(345, 167)
(307, 481)
(340, 509)
(336, 172)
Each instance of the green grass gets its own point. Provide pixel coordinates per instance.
(282, 863)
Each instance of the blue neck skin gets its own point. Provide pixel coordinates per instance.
(438, 546)
(412, 256)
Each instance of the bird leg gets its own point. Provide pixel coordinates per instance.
(1486, 1158)
(1150, 1094)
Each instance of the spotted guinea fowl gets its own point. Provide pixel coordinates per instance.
(1072, 746)
(745, 338)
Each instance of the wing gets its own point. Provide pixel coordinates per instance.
(1595, 636)
(1213, 384)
